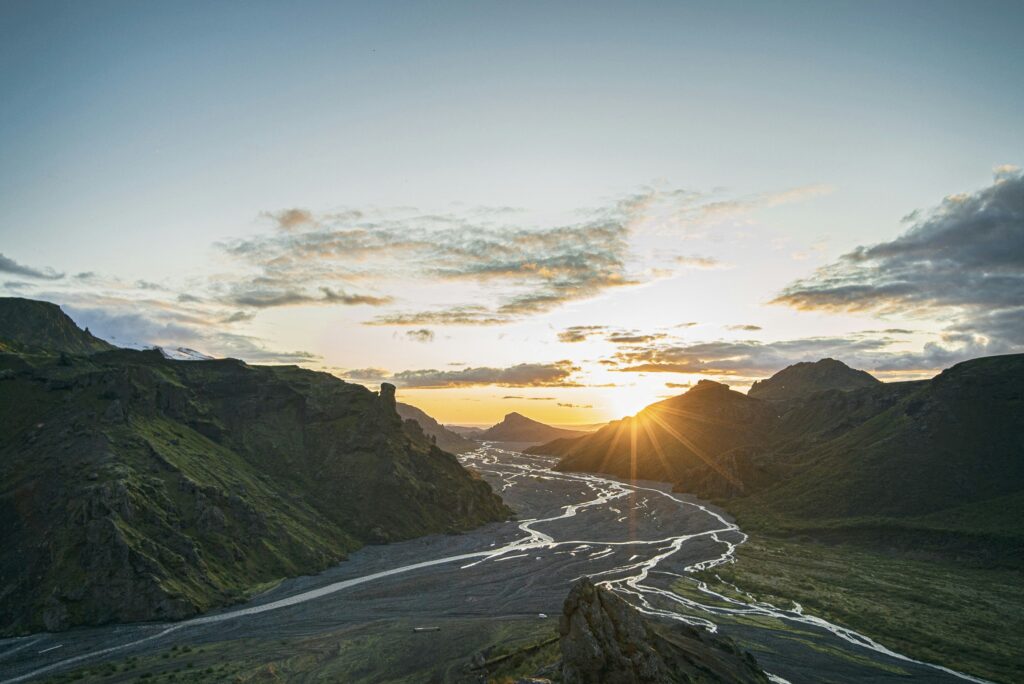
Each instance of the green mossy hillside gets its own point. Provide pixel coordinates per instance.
(133, 487)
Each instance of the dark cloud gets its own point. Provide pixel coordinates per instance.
(745, 327)
(8, 265)
(420, 335)
(558, 374)
(261, 297)
(17, 285)
(963, 261)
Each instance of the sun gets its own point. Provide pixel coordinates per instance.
(628, 400)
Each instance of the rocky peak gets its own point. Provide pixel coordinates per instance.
(605, 640)
(387, 397)
(802, 379)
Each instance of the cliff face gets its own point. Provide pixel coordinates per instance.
(133, 487)
(604, 640)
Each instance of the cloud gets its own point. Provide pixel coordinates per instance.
(701, 262)
(631, 338)
(420, 335)
(516, 396)
(579, 333)
(962, 261)
(153, 323)
(752, 358)
(290, 219)
(257, 295)
(8, 265)
(556, 374)
(744, 327)
(366, 374)
(578, 406)
(518, 269)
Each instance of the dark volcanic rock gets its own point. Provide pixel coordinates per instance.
(604, 640)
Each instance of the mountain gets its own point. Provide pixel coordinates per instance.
(604, 639)
(30, 325)
(802, 379)
(443, 437)
(134, 487)
(933, 464)
(669, 439)
(516, 427)
(942, 457)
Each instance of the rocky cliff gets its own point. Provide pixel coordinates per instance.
(133, 487)
(604, 640)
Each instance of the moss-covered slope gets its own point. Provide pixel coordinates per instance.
(133, 487)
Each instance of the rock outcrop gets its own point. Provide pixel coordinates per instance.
(604, 640)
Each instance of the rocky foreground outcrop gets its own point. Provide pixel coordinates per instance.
(604, 640)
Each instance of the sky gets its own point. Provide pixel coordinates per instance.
(569, 210)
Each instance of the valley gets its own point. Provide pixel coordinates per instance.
(488, 591)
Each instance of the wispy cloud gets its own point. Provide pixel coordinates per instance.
(8, 265)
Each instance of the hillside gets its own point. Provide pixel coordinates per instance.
(803, 379)
(516, 427)
(444, 438)
(945, 459)
(133, 487)
(933, 464)
(669, 439)
(31, 325)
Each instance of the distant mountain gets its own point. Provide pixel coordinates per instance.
(451, 442)
(134, 487)
(467, 431)
(802, 379)
(183, 354)
(516, 427)
(28, 325)
(934, 464)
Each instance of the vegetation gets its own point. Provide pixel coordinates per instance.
(133, 487)
(965, 618)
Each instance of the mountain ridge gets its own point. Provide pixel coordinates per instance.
(133, 487)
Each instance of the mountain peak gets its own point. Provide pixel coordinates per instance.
(34, 324)
(516, 427)
(808, 377)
